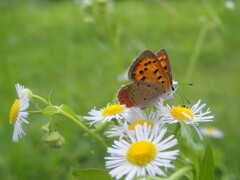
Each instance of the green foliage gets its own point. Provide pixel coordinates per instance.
(188, 147)
(201, 158)
(68, 110)
(207, 164)
(50, 110)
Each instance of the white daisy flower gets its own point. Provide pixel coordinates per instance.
(18, 114)
(211, 132)
(106, 114)
(132, 118)
(145, 154)
(192, 116)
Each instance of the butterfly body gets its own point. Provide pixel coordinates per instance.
(152, 78)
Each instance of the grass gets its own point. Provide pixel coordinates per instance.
(48, 46)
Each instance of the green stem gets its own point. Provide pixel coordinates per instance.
(196, 50)
(51, 110)
(180, 173)
(82, 126)
(41, 99)
(34, 112)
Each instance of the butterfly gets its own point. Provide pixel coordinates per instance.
(152, 78)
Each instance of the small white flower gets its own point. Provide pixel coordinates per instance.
(106, 114)
(145, 154)
(132, 118)
(192, 116)
(211, 132)
(230, 5)
(18, 114)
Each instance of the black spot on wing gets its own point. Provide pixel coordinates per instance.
(155, 71)
(141, 72)
(159, 77)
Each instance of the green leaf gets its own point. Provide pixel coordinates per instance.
(187, 146)
(93, 174)
(68, 110)
(69, 114)
(207, 165)
(180, 172)
(50, 110)
(179, 164)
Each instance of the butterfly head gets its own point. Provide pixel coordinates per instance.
(169, 94)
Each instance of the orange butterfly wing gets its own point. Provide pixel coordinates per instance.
(150, 68)
(151, 75)
(162, 56)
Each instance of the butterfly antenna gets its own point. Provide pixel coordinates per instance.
(189, 84)
(184, 98)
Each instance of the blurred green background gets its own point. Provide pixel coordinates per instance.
(79, 49)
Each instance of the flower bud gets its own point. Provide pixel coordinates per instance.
(54, 139)
(45, 128)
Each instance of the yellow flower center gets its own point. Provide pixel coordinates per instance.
(180, 112)
(210, 130)
(141, 153)
(113, 110)
(141, 122)
(14, 111)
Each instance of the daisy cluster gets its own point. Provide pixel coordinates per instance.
(143, 146)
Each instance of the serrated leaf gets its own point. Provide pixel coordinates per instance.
(93, 174)
(207, 165)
